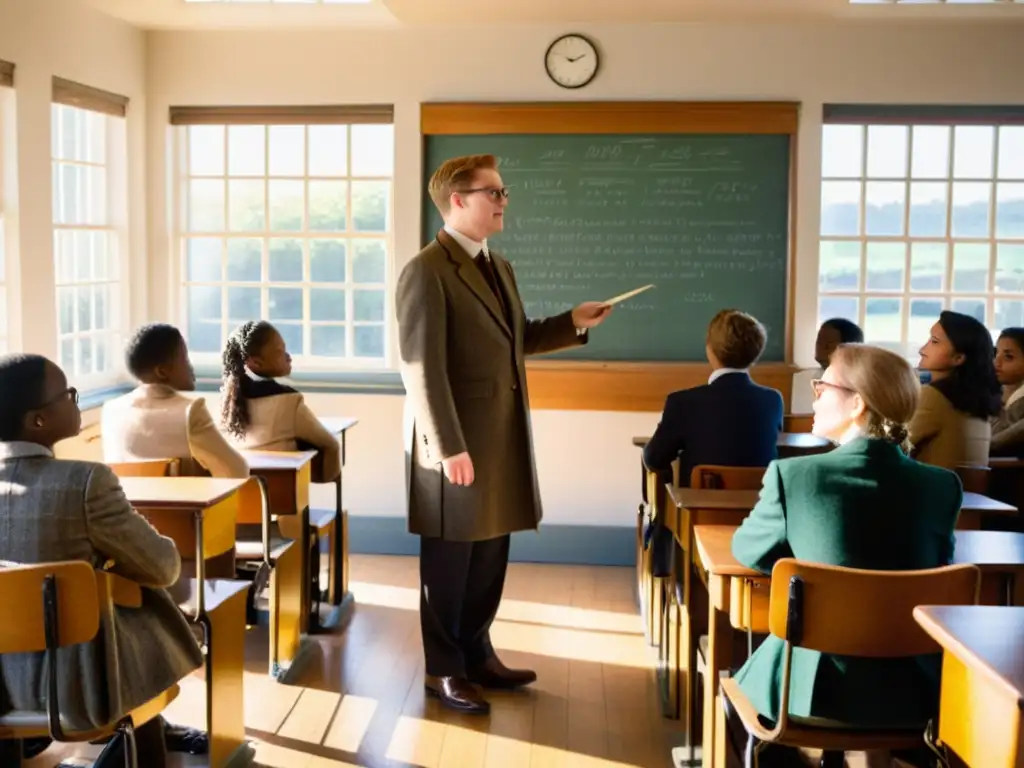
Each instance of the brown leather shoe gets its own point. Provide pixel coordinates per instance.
(457, 693)
(494, 674)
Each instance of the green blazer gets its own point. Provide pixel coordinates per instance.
(863, 505)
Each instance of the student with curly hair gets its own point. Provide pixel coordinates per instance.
(259, 412)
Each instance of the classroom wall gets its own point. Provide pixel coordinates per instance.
(68, 39)
(588, 469)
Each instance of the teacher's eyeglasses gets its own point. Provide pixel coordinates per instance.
(495, 193)
(820, 385)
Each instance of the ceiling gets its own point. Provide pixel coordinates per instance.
(177, 14)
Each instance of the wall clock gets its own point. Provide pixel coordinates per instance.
(571, 61)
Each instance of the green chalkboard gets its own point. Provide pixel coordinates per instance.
(703, 217)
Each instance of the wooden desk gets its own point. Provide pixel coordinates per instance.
(982, 681)
(338, 593)
(788, 444)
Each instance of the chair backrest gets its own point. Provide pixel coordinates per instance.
(147, 468)
(797, 422)
(854, 612)
(25, 591)
(727, 478)
(973, 477)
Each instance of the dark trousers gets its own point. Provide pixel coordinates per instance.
(460, 589)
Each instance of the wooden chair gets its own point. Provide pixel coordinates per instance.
(147, 468)
(797, 422)
(974, 477)
(848, 612)
(727, 478)
(58, 605)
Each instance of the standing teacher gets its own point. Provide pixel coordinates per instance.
(463, 337)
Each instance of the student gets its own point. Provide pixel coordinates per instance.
(56, 511)
(863, 505)
(1008, 427)
(156, 421)
(831, 334)
(730, 420)
(951, 425)
(262, 414)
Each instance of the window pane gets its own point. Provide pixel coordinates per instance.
(368, 305)
(970, 266)
(245, 260)
(64, 244)
(923, 314)
(370, 205)
(842, 150)
(101, 308)
(1010, 268)
(206, 205)
(85, 356)
(67, 355)
(327, 340)
(970, 209)
(973, 151)
(246, 150)
(66, 310)
(292, 335)
(1010, 210)
(883, 320)
(373, 150)
(247, 205)
(928, 209)
(369, 340)
(83, 309)
(286, 205)
(973, 307)
(326, 304)
(837, 306)
(204, 258)
(886, 263)
(287, 150)
(285, 260)
(887, 151)
(328, 206)
(285, 303)
(369, 261)
(101, 354)
(204, 336)
(840, 208)
(243, 305)
(930, 156)
(328, 145)
(206, 150)
(884, 203)
(1009, 314)
(204, 303)
(327, 261)
(839, 266)
(927, 266)
(1011, 152)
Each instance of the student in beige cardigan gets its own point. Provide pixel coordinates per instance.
(951, 425)
(156, 421)
(260, 413)
(1008, 427)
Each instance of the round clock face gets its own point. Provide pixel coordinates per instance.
(571, 61)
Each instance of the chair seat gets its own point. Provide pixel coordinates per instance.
(30, 725)
(215, 592)
(249, 549)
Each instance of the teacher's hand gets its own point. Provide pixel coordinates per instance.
(458, 469)
(590, 314)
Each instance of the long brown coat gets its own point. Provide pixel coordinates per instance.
(465, 381)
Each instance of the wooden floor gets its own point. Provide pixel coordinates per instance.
(361, 702)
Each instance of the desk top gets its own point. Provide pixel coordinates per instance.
(986, 549)
(338, 425)
(179, 492)
(285, 460)
(801, 440)
(987, 638)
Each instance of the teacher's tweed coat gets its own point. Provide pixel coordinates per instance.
(465, 381)
(54, 510)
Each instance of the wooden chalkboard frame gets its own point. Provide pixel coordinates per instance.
(624, 386)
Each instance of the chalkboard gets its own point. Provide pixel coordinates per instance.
(703, 217)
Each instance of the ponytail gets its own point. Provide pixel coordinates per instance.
(241, 345)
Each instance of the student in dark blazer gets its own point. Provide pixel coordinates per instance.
(865, 504)
(730, 420)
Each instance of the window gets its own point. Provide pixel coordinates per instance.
(85, 143)
(6, 81)
(288, 221)
(918, 216)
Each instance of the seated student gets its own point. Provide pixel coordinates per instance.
(865, 504)
(831, 334)
(730, 420)
(262, 414)
(55, 510)
(951, 425)
(156, 421)
(1008, 426)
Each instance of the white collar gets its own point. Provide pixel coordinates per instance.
(852, 433)
(1018, 393)
(722, 372)
(468, 244)
(18, 449)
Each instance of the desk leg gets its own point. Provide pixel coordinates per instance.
(719, 655)
(225, 661)
(336, 585)
(286, 609)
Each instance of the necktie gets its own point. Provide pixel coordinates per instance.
(486, 267)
